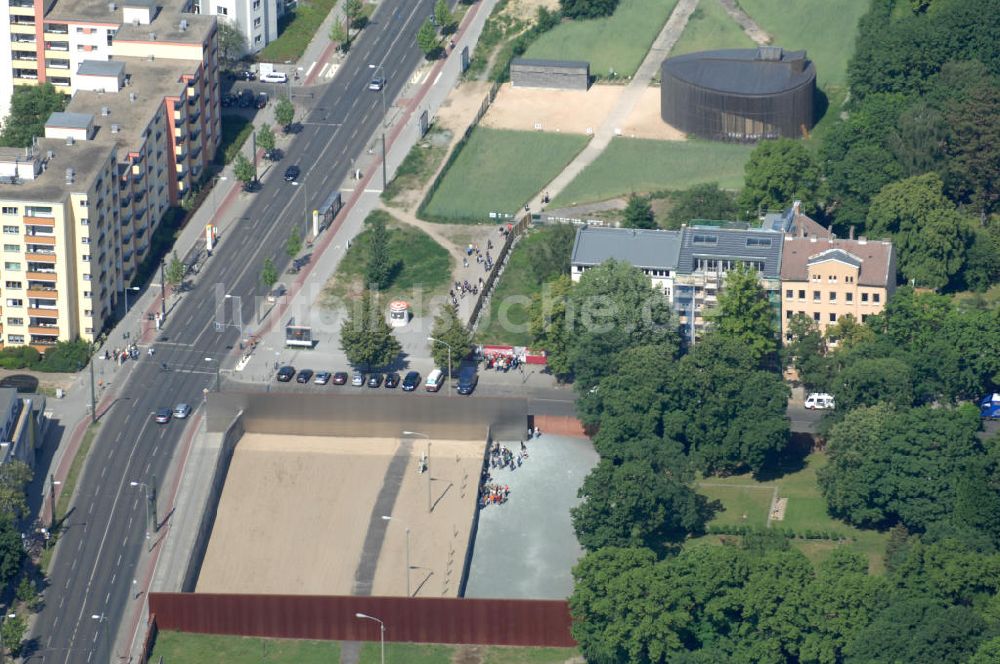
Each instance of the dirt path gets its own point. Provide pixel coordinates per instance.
(750, 26)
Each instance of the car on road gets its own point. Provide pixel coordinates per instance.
(411, 381)
(989, 406)
(435, 380)
(376, 83)
(246, 99)
(162, 415)
(261, 100)
(285, 374)
(340, 378)
(392, 380)
(467, 379)
(820, 401)
(182, 410)
(274, 77)
(292, 173)
(247, 75)
(276, 293)
(375, 380)
(304, 376)
(358, 379)
(322, 377)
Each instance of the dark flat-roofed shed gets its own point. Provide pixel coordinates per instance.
(561, 74)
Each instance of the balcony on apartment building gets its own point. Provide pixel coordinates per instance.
(41, 267)
(41, 291)
(24, 56)
(57, 46)
(41, 249)
(56, 29)
(22, 38)
(23, 4)
(26, 74)
(41, 336)
(21, 19)
(44, 315)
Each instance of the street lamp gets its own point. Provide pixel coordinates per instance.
(134, 289)
(2, 650)
(381, 633)
(218, 370)
(215, 205)
(427, 465)
(150, 491)
(238, 305)
(305, 198)
(389, 518)
(445, 343)
(52, 500)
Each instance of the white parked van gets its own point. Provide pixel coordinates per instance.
(820, 401)
(435, 380)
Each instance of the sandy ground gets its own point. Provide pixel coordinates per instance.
(458, 110)
(295, 512)
(576, 111)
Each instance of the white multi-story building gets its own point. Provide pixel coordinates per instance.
(256, 19)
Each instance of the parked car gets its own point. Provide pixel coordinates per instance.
(467, 379)
(304, 376)
(435, 380)
(820, 401)
(285, 374)
(322, 377)
(246, 98)
(989, 406)
(375, 380)
(247, 75)
(276, 292)
(162, 415)
(340, 378)
(376, 83)
(358, 379)
(392, 380)
(411, 381)
(181, 411)
(274, 77)
(292, 173)
(261, 100)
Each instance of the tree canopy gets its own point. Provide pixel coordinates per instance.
(744, 314)
(30, 108)
(450, 330)
(777, 173)
(365, 336)
(638, 213)
(702, 201)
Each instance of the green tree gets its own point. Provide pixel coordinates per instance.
(854, 180)
(284, 113)
(14, 630)
(175, 271)
(244, 170)
(638, 213)
(339, 34)
(988, 652)
(365, 336)
(891, 466)
(379, 270)
(636, 504)
(806, 351)
(427, 40)
(847, 333)
(445, 19)
(293, 245)
(778, 173)
(14, 479)
(867, 381)
(354, 11)
(583, 9)
(450, 330)
(265, 139)
(30, 108)
(549, 325)
(744, 313)
(549, 251)
(232, 43)
(973, 147)
(268, 274)
(702, 201)
(11, 549)
(928, 232)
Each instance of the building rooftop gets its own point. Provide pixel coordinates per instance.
(86, 11)
(747, 71)
(875, 258)
(86, 158)
(101, 68)
(793, 222)
(730, 244)
(564, 64)
(70, 120)
(167, 27)
(650, 249)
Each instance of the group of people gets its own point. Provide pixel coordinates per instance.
(483, 258)
(501, 457)
(493, 494)
(502, 362)
(119, 355)
(490, 492)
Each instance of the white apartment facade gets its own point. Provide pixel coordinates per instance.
(257, 20)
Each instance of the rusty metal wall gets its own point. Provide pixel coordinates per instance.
(417, 619)
(369, 415)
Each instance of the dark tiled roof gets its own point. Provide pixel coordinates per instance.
(723, 243)
(743, 70)
(652, 249)
(564, 64)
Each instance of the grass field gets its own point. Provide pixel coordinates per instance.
(641, 165)
(806, 511)
(236, 129)
(825, 29)
(710, 27)
(424, 264)
(419, 166)
(618, 42)
(184, 648)
(295, 30)
(497, 171)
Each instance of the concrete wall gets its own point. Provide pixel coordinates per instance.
(528, 74)
(370, 415)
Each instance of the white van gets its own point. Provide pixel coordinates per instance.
(435, 380)
(820, 401)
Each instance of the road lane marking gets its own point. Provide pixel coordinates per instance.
(311, 67)
(322, 72)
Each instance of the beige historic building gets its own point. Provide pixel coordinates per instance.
(826, 279)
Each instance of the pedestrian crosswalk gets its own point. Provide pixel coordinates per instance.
(327, 70)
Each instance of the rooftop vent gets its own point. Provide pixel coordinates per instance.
(70, 175)
(112, 6)
(105, 111)
(69, 140)
(770, 53)
(115, 128)
(183, 25)
(50, 154)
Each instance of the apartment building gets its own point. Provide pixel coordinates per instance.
(80, 206)
(654, 252)
(827, 278)
(257, 20)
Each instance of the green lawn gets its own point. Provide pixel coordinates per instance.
(744, 505)
(806, 511)
(709, 28)
(618, 42)
(641, 165)
(498, 171)
(236, 129)
(295, 30)
(419, 166)
(185, 648)
(425, 266)
(825, 29)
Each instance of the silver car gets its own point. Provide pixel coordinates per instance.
(358, 379)
(181, 411)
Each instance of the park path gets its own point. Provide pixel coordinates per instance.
(612, 124)
(752, 29)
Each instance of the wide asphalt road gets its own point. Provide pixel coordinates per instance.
(104, 535)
